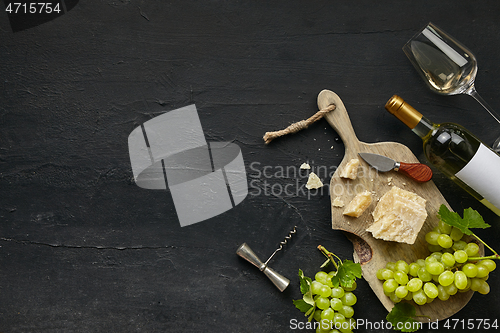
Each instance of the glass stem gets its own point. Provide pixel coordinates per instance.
(472, 92)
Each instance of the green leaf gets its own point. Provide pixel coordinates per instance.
(305, 283)
(302, 306)
(471, 219)
(348, 272)
(402, 318)
(305, 288)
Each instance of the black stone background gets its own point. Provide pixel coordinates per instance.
(83, 249)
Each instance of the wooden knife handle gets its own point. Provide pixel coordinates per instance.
(417, 171)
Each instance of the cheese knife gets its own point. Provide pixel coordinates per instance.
(416, 171)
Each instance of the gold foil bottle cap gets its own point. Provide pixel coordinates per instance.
(403, 111)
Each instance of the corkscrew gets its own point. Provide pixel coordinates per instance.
(246, 253)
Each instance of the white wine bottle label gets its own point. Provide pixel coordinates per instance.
(482, 174)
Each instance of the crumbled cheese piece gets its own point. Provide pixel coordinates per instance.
(305, 166)
(399, 216)
(359, 204)
(313, 181)
(337, 202)
(389, 181)
(351, 169)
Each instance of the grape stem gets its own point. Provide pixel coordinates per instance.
(496, 256)
(329, 255)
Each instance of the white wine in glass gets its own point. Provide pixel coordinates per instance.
(447, 66)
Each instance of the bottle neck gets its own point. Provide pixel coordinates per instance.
(424, 127)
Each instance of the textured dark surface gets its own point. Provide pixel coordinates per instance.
(83, 249)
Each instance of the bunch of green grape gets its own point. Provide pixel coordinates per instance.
(334, 305)
(450, 268)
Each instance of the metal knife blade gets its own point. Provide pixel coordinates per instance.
(379, 162)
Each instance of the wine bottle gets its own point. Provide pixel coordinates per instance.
(456, 152)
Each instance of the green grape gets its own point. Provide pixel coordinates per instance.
(444, 228)
(329, 282)
(435, 278)
(409, 297)
(325, 291)
(459, 245)
(351, 288)
(456, 234)
(431, 237)
(337, 292)
(430, 290)
(349, 298)
(424, 275)
(420, 262)
(470, 270)
(391, 265)
(327, 314)
(430, 259)
(490, 264)
(419, 297)
(414, 285)
(336, 304)
(347, 311)
(475, 284)
(460, 280)
(387, 274)
(379, 274)
(316, 287)
(401, 291)
(471, 249)
(448, 259)
(429, 300)
(437, 255)
(402, 266)
(401, 277)
(394, 298)
(482, 271)
(321, 277)
(435, 268)
(434, 248)
(317, 315)
(460, 256)
(451, 289)
(322, 303)
(467, 286)
(445, 241)
(338, 318)
(390, 285)
(484, 288)
(446, 278)
(442, 294)
(413, 269)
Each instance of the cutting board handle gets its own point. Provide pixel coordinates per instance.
(338, 119)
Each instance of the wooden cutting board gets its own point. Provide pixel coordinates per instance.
(373, 253)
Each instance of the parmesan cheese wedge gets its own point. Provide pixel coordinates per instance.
(359, 204)
(313, 181)
(399, 216)
(337, 202)
(351, 169)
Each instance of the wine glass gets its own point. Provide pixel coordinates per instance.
(447, 66)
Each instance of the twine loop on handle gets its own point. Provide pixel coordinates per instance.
(298, 126)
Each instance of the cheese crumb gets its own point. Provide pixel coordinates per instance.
(359, 204)
(337, 202)
(313, 181)
(351, 169)
(399, 216)
(305, 166)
